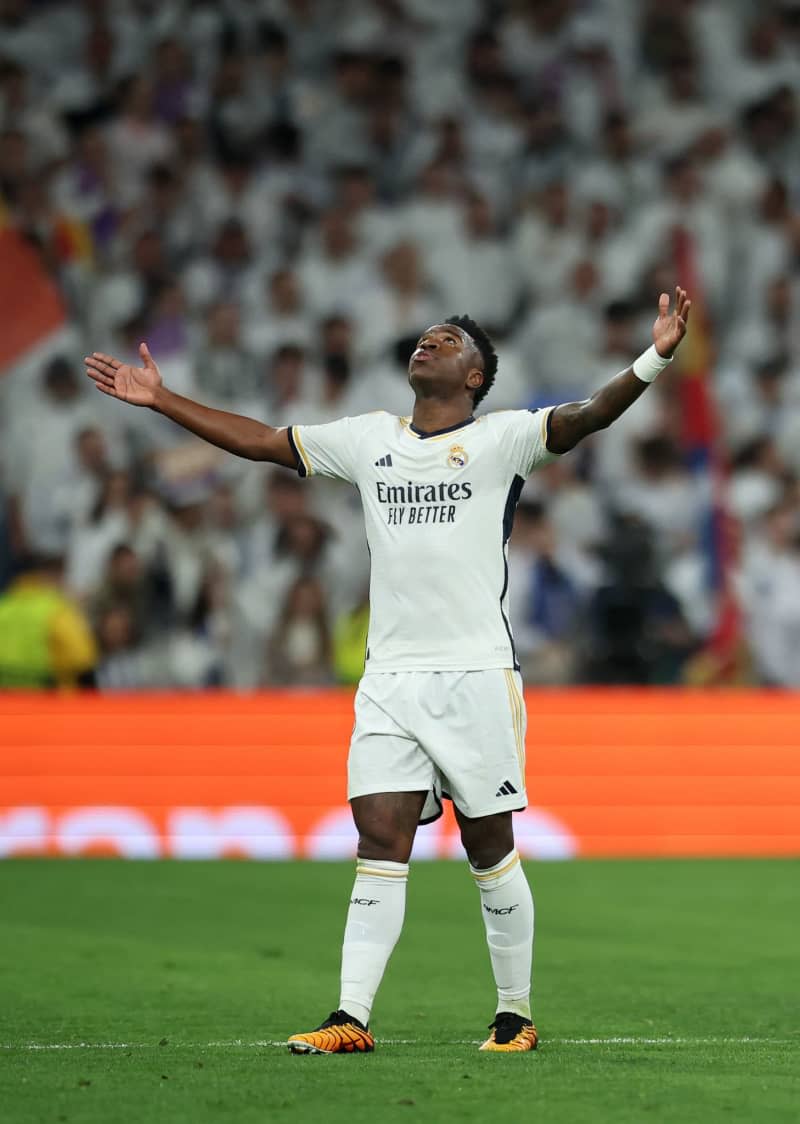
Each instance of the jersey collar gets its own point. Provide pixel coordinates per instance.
(424, 434)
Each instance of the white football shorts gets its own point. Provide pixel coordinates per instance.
(460, 734)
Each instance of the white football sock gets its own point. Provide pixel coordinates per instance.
(507, 908)
(374, 921)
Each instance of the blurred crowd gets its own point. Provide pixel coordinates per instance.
(279, 195)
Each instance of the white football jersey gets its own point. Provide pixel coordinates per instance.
(438, 508)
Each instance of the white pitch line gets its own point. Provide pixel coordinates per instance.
(240, 1044)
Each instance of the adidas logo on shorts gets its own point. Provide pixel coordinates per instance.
(506, 789)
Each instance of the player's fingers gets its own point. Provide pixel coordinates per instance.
(106, 389)
(99, 369)
(147, 358)
(99, 374)
(109, 360)
(687, 305)
(663, 304)
(99, 377)
(99, 364)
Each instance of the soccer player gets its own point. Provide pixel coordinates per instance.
(439, 710)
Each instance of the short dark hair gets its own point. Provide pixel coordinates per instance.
(288, 351)
(272, 37)
(619, 311)
(59, 372)
(485, 347)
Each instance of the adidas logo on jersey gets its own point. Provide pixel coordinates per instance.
(506, 789)
(384, 462)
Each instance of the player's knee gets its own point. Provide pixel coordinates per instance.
(387, 823)
(380, 836)
(386, 842)
(487, 841)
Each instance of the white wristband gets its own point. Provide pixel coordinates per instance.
(649, 364)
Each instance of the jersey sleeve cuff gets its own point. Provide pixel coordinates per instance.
(303, 465)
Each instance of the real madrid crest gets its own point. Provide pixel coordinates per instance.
(457, 457)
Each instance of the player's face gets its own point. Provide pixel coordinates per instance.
(444, 363)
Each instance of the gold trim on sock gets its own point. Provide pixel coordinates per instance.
(484, 876)
(374, 873)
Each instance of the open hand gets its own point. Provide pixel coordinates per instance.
(670, 327)
(137, 385)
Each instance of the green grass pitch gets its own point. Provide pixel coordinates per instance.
(181, 978)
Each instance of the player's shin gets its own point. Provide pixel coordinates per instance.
(507, 908)
(374, 922)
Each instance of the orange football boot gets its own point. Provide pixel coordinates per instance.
(511, 1033)
(339, 1034)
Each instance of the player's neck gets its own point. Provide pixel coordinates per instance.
(431, 415)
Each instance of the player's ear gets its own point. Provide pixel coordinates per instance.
(475, 379)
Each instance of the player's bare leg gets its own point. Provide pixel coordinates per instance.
(387, 823)
(507, 909)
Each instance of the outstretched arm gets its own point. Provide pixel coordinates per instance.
(143, 386)
(573, 421)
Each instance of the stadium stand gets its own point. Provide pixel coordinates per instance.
(278, 194)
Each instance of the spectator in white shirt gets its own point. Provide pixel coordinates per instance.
(38, 451)
(558, 339)
(291, 390)
(663, 494)
(225, 372)
(376, 226)
(335, 272)
(237, 191)
(280, 315)
(230, 272)
(477, 271)
(548, 232)
(403, 305)
(769, 589)
(432, 215)
(93, 540)
(137, 139)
